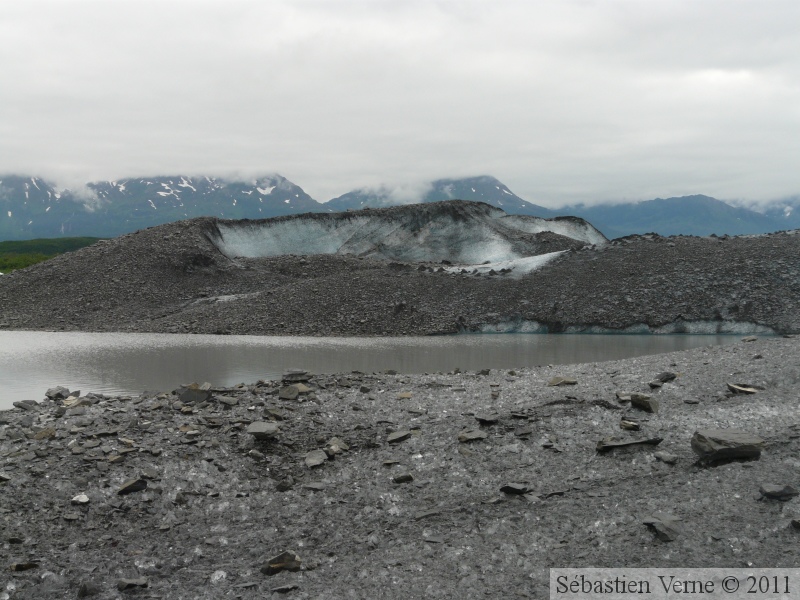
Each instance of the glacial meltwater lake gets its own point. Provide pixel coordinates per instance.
(130, 363)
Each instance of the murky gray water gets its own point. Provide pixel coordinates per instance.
(114, 363)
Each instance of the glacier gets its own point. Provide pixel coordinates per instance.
(463, 233)
(698, 327)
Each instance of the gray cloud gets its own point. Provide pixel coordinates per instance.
(563, 101)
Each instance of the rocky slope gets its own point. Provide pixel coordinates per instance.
(176, 278)
(460, 485)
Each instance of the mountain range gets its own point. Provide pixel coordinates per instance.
(31, 207)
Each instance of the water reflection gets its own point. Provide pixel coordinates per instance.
(113, 363)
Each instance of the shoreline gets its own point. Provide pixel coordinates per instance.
(122, 363)
(406, 501)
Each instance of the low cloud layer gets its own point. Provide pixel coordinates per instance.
(568, 101)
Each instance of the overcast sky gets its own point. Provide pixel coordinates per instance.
(563, 101)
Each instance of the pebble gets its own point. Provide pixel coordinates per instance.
(666, 457)
(315, 458)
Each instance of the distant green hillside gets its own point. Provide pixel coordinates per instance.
(21, 254)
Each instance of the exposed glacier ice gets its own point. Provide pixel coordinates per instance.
(517, 266)
(571, 227)
(462, 233)
(691, 327)
(364, 236)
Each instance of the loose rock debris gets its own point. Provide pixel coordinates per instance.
(221, 502)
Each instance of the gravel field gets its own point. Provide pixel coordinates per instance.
(175, 279)
(457, 485)
(380, 485)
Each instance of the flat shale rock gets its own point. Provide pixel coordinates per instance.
(609, 443)
(285, 561)
(779, 492)
(664, 525)
(666, 457)
(289, 392)
(666, 376)
(263, 430)
(227, 400)
(515, 489)
(29, 405)
(296, 376)
(629, 424)
(285, 589)
(315, 458)
(398, 436)
(560, 381)
(741, 388)
(194, 393)
(487, 418)
(127, 584)
(644, 402)
(472, 435)
(713, 445)
(131, 486)
(336, 446)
